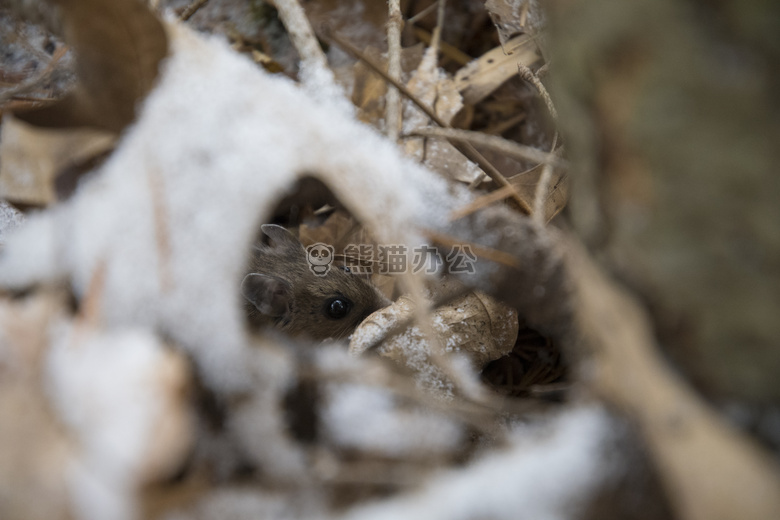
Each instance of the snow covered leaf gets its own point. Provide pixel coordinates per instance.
(121, 396)
(433, 87)
(474, 326)
(87, 418)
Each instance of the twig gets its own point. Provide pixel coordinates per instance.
(436, 38)
(495, 143)
(26, 85)
(422, 14)
(393, 98)
(192, 9)
(488, 253)
(161, 228)
(89, 312)
(450, 51)
(481, 202)
(313, 61)
(542, 188)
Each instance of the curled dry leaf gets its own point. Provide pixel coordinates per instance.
(475, 326)
(515, 16)
(118, 46)
(31, 158)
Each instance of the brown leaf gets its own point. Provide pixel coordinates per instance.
(525, 183)
(368, 91)
(512, 17)
(474, 325)
(119, 45)
(481, 77)
(31, 158)
(34, 449)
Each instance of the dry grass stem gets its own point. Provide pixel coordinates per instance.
(494, 255)
(422, 14)
(543, 188)
(395, 22)
(529, 76)
(494, 143)
(161, 229)
(302, 36)
(481, 202)
(452, 52)
(436, 37)
(540, 195)
(192, 9)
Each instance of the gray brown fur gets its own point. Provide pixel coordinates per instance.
(289, 296)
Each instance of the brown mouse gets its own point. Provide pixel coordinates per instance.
(282, 290)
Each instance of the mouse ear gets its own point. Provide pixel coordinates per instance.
(270, 295)
(281, 238)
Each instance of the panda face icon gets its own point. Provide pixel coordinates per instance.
(320, 256)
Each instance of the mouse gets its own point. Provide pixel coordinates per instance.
(283, 290)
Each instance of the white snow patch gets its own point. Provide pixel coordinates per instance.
(10, 219)
(102, 387)
(545, 475)
(370, 418)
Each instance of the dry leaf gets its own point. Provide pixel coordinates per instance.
(512, 17)
(481, 77)
(476, 326)
(118, 47)
(32, 157)
(525, 183)
(369, 89)
(436, 89)
(34, 450)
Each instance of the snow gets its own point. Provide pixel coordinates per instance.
(107, 391)
(544, 475)
(10, 219)
(370, 419)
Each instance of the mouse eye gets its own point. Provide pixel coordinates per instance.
(345, 268)
(337, 308)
